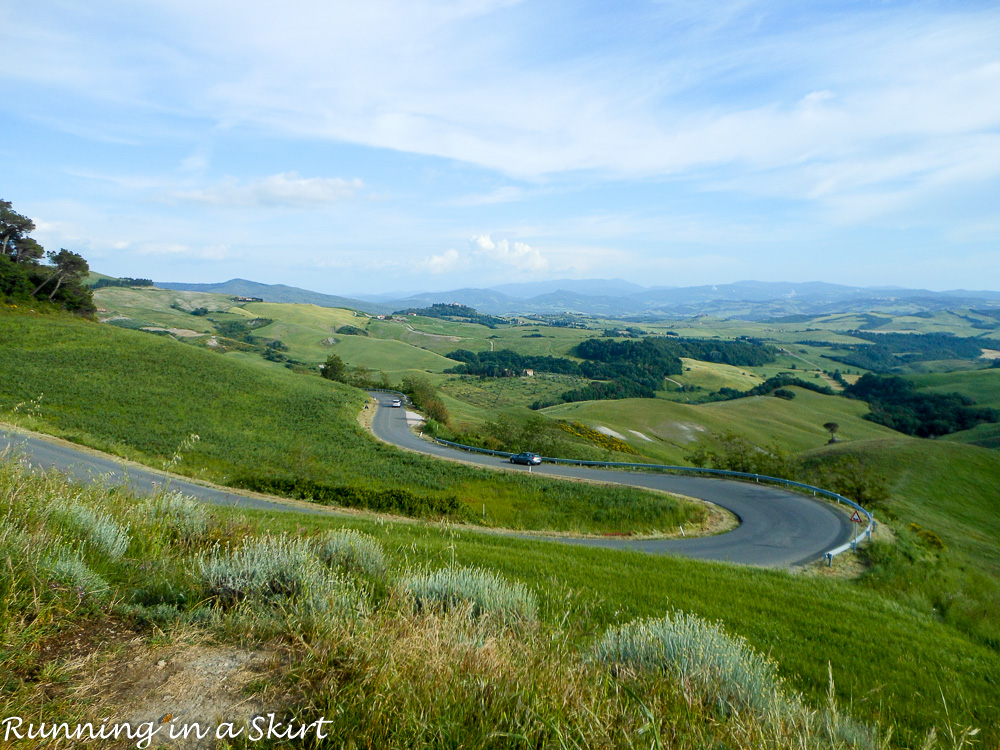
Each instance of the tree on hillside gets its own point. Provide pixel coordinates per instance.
(334, 368)
(69, 266)
(14, 229)
(832, 428)
(22, 277)
(855, 478)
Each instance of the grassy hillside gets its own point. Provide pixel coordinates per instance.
(355, 652)
(982, 386)
(944, 505)
(671, 429)
(152, 307)
(144, 396)
(911, 645)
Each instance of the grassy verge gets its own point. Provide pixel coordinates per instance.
(946, 561)
(407, 636)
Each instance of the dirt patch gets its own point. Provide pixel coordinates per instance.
(184, 333)
(367, 414)
(84, 639)
(179, 686)
(609, 432)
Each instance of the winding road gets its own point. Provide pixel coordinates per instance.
(777, 528)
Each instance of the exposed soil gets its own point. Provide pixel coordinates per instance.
(178, 686)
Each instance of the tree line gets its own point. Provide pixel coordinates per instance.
(454, 311)
(888, 351)
(25, 277)
(895, 402)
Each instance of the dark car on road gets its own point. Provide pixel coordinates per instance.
(528, 459)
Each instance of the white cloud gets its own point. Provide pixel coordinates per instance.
(286, 189)
(449, 260)
(516, 254)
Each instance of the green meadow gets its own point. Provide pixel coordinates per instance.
(151, 565)
(912, 643)
(261, 425)
(670, 430)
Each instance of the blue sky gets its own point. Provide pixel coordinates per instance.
(380, 146)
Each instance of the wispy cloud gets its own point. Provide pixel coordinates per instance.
(284, 190)
(634, 131)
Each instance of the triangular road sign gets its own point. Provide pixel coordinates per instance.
(856, 518)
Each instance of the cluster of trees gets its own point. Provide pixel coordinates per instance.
(852, 476)
(348, 330)
(662, 349)
(895, 402)
(454, 311)
(772, 385)
(242, 331)
(629, 332)
(360, 377)
(505, 363)
(616, 369)
(123, 281)
(889, 351)
(425, 397)
(24, 277)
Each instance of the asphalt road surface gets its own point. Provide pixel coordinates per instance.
(777, 528)
(86, 465)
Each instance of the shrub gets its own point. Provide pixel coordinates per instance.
(487, 594)
(73, 573)
(718, 667)
(396, 500)
(351, 551)
(927, 536)
(100, 530)
(268, 569)
(183, 516)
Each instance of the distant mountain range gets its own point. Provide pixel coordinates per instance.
(748, 300)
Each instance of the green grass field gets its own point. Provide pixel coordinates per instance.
(143, 396)
(672, 428)
(982, 386)
(152, 307)
(894, 666)
(912, 644)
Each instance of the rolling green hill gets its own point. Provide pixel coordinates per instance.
(897, 657)
(982, 386)
(671, 429)
(143, 397)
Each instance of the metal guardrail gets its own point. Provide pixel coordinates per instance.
(866, 534)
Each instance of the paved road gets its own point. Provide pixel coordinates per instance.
(87, 466)
(777, 528)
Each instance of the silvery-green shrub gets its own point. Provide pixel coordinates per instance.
(351, 551)
(487, 593)
(186, 517)
(273, 568)
(100, 530)
(721, 667)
